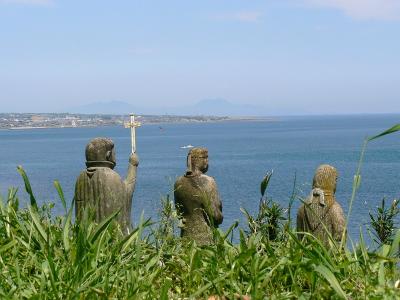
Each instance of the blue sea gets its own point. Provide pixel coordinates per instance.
(240, 154)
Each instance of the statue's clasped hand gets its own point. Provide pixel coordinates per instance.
(134, 159)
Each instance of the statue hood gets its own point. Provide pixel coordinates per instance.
(100, 164)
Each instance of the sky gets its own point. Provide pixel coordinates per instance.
(287, 56)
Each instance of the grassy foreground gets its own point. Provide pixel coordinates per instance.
(42, 257)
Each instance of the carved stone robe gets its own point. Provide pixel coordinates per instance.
(198, 201)
(315, 214)
(102, 190)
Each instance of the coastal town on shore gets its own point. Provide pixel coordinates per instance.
(62, 120)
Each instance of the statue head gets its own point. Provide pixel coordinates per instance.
(100, 152)
(325, 178)
(197, 161)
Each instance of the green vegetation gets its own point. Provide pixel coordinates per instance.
(384, 222)
(53, 258)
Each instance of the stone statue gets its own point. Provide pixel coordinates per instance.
(100, 189)
(197, 199)
(321, 209)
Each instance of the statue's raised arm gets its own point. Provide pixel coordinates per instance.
(130, 180)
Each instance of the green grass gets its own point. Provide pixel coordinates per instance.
(42, 257)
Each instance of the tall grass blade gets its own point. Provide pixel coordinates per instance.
(265, 181)
(356, 185)
(37, 224)
(128, 240)
(61, 194)
(12, 197)
(102, 226)
(165, 288)
(67, 227)
(328, 275)
(389, 131)
(357, 176)
(28, 187)
(230, 229)
(394, 249)
(8, 246)
(381, 274)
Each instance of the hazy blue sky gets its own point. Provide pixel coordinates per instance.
(290, 56)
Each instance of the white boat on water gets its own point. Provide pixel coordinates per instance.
(187, 147)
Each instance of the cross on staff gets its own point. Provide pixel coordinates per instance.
(132, 125)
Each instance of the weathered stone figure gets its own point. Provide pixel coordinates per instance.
(321, 209)
(197, 199)
(101, 189)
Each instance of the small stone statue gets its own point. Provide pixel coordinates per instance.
(197, 199)
(321, 209)
(101, 189)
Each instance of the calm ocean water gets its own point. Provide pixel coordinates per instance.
(240, 153)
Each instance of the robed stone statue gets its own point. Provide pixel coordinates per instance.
(321, 214)
(100, 190)
(197, 199)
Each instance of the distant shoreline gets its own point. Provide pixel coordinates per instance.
(178, 120)
(41, 127)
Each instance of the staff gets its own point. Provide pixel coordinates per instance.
(132, 125)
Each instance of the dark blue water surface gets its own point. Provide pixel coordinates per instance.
(240, 153)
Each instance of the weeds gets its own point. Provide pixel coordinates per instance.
(57, 259)
(268, 221)
(383, 222)
(54, 258)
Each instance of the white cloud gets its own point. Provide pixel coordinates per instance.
(28, 2)
(241, 16)
(363, 9)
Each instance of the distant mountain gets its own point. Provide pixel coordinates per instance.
(207, 107)
(111, 107)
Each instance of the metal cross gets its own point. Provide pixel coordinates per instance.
(132, 125)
